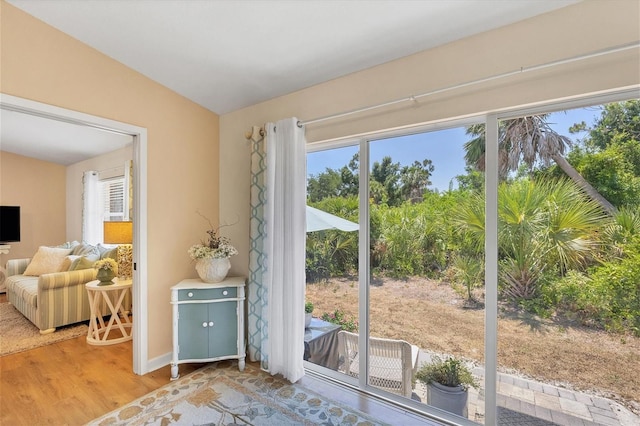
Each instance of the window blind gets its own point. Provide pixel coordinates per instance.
(113, 198)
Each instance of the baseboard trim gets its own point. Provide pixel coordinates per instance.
(158, 362)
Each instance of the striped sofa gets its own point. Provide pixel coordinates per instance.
(50, 300)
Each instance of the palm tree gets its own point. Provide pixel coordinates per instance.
(529, 140)
(541, 224)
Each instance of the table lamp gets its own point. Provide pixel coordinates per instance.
(121, 233)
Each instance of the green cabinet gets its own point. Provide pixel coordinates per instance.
(208, 322)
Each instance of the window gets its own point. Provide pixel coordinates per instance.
(113, 199)
(107, 196)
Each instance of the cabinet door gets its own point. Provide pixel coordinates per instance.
(192, 335)
(223, 337)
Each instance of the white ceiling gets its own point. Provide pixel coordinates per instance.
(55, 141)
(226, 55)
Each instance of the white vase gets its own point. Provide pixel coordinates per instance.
(213, 270)
(307, 319)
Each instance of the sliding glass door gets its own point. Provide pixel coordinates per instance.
(501, 251)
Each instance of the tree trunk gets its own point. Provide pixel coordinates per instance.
(582, 183)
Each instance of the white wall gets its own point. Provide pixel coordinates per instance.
(569, 32)
(102, 163)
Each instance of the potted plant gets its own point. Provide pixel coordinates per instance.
(212, 256)
(308, 311)
(447, 384)
(107, 270)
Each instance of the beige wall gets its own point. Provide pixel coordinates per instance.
(38, 187)
(569, 32)
(42, 64)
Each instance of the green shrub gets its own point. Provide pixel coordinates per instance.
(450, 372)
(332, 253)
(308, 308)
(468, 271)
(347, 322)
(608, 297)
(413, 238)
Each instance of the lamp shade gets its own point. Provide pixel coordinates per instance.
(118, 232)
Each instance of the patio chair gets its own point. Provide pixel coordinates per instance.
(392, 363)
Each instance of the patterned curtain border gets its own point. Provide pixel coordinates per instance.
(256, 296)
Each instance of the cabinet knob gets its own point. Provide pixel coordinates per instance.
(204, 324)
(225, 292)
(190, 294)
(210, 323)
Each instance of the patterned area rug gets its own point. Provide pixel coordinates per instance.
(222, 395)
(18, 334)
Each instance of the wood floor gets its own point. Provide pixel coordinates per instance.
(72, 383)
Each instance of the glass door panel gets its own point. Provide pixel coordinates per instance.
(567, 305)
(332, 253)
(426, 291)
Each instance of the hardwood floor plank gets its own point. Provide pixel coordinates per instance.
(72, 382)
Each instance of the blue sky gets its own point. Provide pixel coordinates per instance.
(444, 148)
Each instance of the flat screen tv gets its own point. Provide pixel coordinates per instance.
(9, 224)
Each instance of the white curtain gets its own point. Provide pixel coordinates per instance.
(276, 284)
(284, 247)
(128, 190)
(91, 212)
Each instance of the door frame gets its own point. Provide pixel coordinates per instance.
(139, 134)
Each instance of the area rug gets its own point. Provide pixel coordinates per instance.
(219, 394)
(18, 334)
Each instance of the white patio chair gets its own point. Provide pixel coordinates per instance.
(392, 363)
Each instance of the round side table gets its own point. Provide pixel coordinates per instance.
(113, 296)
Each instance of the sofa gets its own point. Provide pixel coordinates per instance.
(49, 289)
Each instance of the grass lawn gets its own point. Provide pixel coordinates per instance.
(431, 315)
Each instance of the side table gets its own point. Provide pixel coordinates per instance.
(113, 295)
(321, 343)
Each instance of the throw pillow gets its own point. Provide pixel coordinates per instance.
(46, 260)
(68, 245)
(66, 264)
(81, 263)
(86, 250)
(108, 252)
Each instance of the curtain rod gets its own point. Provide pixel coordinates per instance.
(258, 132)
(522, 70)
